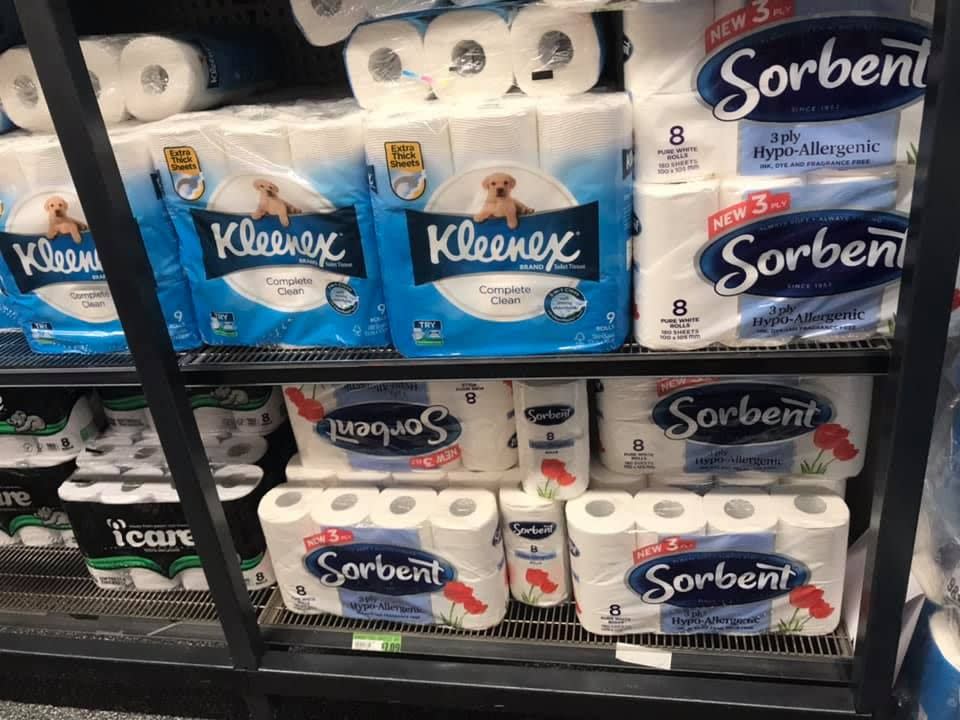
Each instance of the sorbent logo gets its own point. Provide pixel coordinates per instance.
(817, 70)
(548, 414)
(533, 530)
(383, 569)
(389, 429)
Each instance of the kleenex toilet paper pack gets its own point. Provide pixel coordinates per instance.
(498, 255)
(405, 427)
(273, 213)
(774, 426)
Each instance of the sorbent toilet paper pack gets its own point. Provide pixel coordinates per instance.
(775, 426)
(361, 553)
(405, 427)
(278, 246)
(504, 257)
(535, 541)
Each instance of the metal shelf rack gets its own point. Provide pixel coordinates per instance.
(536, 661)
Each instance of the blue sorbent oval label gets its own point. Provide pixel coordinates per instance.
(383, 569)
(390, 429)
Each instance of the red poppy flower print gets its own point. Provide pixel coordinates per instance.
(827, 437)
(296, 395)
(845, 451)
(549, 587)
(830, 438)
(555, 472)
(805, 596)
(809, 598)
(474, 606)
(540, 584)
(457, 592)
(553, 468)
(536, 577)
(821, 610)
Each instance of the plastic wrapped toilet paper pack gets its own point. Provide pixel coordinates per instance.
(555, 52)
(774, 426)
(775, 566)
(405, 427)
(467, 54)
(130, 527)
(361, 553)
(734, 60)
(31, 512)
(602, 478)
(272, 210)
(505, 257)
(553, 437)
(40, 425)
(535, 541)
(326, 23)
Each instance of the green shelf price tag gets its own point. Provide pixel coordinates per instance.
(377, 642)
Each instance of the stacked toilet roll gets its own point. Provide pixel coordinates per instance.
(676, 426)
(736, 561)
(33, 515)
(553, 437)
(471, 54)
(535, 541)
(436, 558)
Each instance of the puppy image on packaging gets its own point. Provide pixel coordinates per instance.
(23, 422)
(60, 222)
(499, 203)
(272, 204)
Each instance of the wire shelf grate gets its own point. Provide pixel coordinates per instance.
(15, 354)
(559, 626)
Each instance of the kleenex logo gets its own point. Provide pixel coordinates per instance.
(710, 579)
(817, 70)
(390, 429)
(740, 413)
(36, 261)
(383, 569)
(328, 241)
(559, 242)
(533, 530)
(548, 414)
(806, 254)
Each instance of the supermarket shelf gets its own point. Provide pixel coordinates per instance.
(251, 366)
(19, 365)
(553, 635)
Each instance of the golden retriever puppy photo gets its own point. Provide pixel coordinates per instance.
(272, 204)
(60, 223)
(499, 203)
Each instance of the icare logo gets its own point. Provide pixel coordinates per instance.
(817, 70)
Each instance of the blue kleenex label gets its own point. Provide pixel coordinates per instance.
(36, 261)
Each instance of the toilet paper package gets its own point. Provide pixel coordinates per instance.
(132, 532)
(777, 426)
(553, 437)
(53, 424)
(467, 54)
(752, 89)
(271, 207)
(326, 23)
(404, 555)
(602, 478)
(501, 257)
(734, 562)
(768, 260)
(932, 666)
(405, 427)
(49, 264)
(30, 509)
(535, 541)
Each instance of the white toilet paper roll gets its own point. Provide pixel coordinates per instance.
(908, 133)
(298, 474)
(406, 509)
(747, 479)
(835, 485)
(466, 531)
(666, 43)
(494, 133)
(320, 145)
(534, 538)
(238, 450)
(435, 479)
(325, 22)
(697, 483)
(20, 92)
(346, 506)
(43, 164)
(467, 55)
(257, 147)
(675, 308)
(555, 52)
(679, 140)
(553, 437)
(739, 510)
(486, 608)
(740, 187)
(603, 479)
(813, 530)
(362, 478)
(601, 525)
(612, 608)
(385, 61)
(486, 412)
(483, 479)
(669, 512)
(905, 178)
(102, 58)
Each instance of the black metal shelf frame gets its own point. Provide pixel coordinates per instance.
(265, 654)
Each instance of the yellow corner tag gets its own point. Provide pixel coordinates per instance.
(408, 176)
(185, 172)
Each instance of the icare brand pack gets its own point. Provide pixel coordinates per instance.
(273, 213)
(49, 264)
(30, 509)
(406, 555)
(504, 224)
(400, 428)
(132, 532)
(771, 427)
(737, 561)
(45, 423)
(244, 410)
(772, 143)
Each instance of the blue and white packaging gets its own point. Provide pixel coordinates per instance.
(405, 427)
(737, 561)
(48, 260)
(273, 214)
(932, 664)
(402, 555)
(778, 426)
(491, 254)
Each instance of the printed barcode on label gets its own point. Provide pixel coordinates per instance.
(377, 642)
